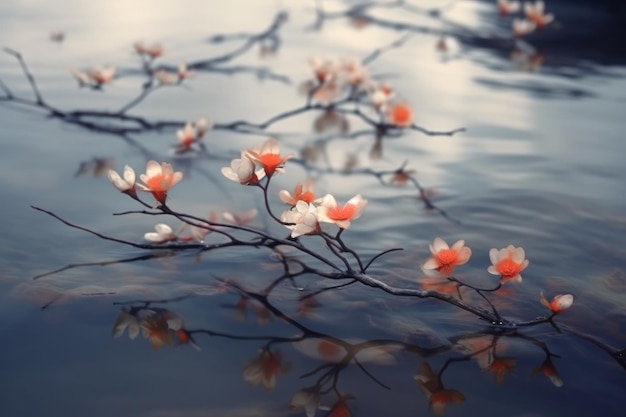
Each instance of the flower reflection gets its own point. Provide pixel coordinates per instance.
(438, 396)
(307, 399)
(127, 319)
(264, 369)
(500, 367)
(549, 370)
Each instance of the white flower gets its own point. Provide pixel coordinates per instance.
(163, 234)
(242, 171)
(302, 219)
(125, 185)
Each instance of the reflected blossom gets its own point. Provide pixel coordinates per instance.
(549, 370)
(307, 399)
(438, 396)
(240, 219)
(522, 27)
(264, 369)
(500, 367)
(127, 319)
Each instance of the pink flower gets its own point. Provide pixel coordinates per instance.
(302, 219)
(330, 212)
(153, 51)
(559, 303)
(125, 185)
(269, 157)
(183, 72)
(302, 192)
(165, 77)
(444, 258)
(158, 179)
(186, 136)
(508, 263)
(242, 171)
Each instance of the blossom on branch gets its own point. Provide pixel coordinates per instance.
(399, 114)
(302, 192)
(186, 137)
(163, 234)
(506, 7)
(95, 77)
(302, 219)
(240, 219)
(264, 369)
(445, 258)
(535, 13)
(158, 179)
(522, 27)
(508, 263)
(269, 157)
(331, 212)
(558, 304)
(153, 51)
(126, 184)
(165, 77)
(242, 171)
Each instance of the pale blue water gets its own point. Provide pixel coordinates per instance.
(540, 166)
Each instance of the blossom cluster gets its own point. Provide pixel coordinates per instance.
(534, 16)
(331, 79)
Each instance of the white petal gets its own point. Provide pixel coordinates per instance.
(153, 168)
(163, 229)
(129, 175)
(439, 244)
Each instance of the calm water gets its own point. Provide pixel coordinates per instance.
(540, 166)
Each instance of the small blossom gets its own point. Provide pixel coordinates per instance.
(125, 185)
(199, 233)
(202, 126)
(165, 77)
(522, 27)
(240, 219)
(508, 263)
(500, 367)
(264, 369)
(559, 303)
(330, 212)
(549, 370)
(438, 396)
(95, 77)
(399, 114)
(153, 51)
(535, 13)
(127, 319)
(269, 157)
(242, 171)
(506, 7)
(355, 73)
(301, 219)
(186, 136)
(163, 234)
(183, 72)
(307, 399)
(444, 258)
(158, 179)
(302, 192)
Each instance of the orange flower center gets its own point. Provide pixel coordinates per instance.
(401, 115)
(306, 196)
(341, 213)
(508, 267)
(158, 183)
(270, 162)
(446, 257)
